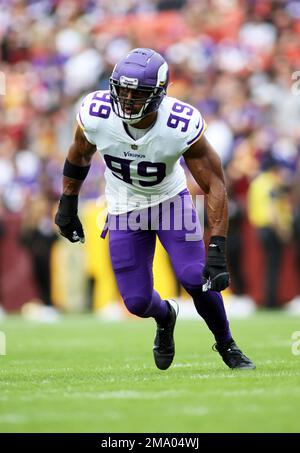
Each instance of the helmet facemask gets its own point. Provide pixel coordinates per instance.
(131, 102)
(138, 84)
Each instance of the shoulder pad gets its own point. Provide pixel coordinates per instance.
(95, 105)
(186, 121)
(196, 129)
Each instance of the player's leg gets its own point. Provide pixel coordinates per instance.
(188, 258)
(131, 255)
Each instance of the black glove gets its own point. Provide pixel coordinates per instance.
(67, 219)
(216, 276)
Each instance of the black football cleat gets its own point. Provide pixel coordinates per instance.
(233, 356)
(164, 347)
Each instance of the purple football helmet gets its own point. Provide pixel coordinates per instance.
(138, 84)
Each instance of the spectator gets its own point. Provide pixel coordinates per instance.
(271, 213)
(38, 236)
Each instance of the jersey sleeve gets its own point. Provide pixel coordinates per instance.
(86, 119)
(196, 129)
(184, 123)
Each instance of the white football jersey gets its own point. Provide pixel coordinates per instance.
(147, 171)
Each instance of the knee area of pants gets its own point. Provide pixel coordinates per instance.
(137, 305)
(191, 276)
(195, 292)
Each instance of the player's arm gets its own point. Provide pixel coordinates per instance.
(75, 170)
(205, 166)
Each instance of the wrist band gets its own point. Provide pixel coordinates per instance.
(68, 205)
(218, 239)
(75, 171)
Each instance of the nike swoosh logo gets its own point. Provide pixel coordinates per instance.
(197, 126)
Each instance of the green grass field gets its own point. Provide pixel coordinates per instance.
(84, 375)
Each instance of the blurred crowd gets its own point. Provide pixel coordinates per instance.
(235, 60)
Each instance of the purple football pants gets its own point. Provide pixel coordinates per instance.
(132, 238)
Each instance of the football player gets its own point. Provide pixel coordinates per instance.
(141, 134)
